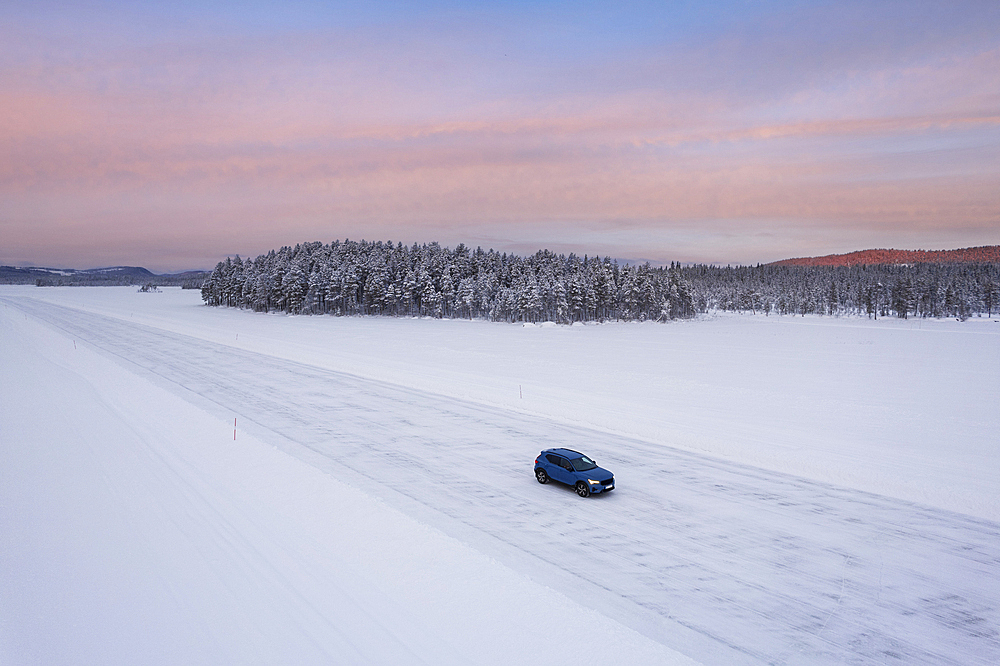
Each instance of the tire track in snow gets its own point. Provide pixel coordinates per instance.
(772, 566)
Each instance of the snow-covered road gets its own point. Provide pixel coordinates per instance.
(724, 562)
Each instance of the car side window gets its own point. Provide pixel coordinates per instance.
(559, 461)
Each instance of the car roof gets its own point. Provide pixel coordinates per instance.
(567, 453)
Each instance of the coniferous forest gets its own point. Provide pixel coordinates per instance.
(364, 277)
(880, 290)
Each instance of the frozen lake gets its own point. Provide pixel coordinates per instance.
(790, 490)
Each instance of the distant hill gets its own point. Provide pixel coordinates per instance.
(984, 254)
(112, 276)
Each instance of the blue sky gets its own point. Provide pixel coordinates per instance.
(737, 132)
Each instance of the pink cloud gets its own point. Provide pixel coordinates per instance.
(246, 142)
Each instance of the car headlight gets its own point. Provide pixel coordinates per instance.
(593, 483)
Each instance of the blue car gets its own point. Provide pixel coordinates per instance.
(574, 469)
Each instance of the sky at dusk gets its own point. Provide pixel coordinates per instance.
(727, 132)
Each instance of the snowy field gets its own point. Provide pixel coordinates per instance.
(790, 490)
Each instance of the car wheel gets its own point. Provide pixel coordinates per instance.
(541, 475)
(582, 489)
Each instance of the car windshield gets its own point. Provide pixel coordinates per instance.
(583, 463)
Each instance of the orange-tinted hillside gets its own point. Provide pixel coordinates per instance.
(986, 253)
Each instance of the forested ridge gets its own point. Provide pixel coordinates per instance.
(116, 276)
(983, 254)
(376, 277)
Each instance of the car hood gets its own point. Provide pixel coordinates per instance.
(598, 474)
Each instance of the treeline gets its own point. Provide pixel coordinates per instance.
(126, 281)
(921, 290)
(350, 277)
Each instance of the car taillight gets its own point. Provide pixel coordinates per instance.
(536, 461)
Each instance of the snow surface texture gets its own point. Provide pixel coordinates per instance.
(135, 530)
(790, 490)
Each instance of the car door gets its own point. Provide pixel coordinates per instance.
(559, 469)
